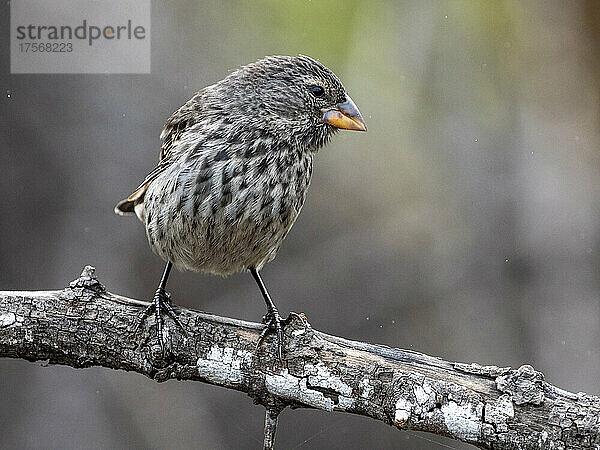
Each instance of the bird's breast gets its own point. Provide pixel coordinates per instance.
(225, 211)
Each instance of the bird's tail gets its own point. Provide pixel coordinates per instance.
(125, 207)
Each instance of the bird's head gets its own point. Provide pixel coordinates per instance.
(293, 99)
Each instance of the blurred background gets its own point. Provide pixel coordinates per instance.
(464, 224)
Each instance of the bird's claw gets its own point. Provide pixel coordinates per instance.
(273, 323)
(161, 302)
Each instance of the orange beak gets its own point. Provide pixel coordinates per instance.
(345, 116)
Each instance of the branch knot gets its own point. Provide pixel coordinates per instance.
(525, 385)
(88, 280)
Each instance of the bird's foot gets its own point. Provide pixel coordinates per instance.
(274, 324)
(161, 304)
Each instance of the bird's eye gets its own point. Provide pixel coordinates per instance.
(317, 91)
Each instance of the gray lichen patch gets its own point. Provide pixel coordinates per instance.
(403, 411)
(223, 365)
(463, 420)
(290, 387)
(499, 412)
(320, 376)
(7, 319)
(319, 387)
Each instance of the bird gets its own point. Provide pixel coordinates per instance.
(234, 167)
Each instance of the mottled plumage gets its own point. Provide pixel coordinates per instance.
(236, 162)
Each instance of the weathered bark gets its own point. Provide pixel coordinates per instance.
(488, 406)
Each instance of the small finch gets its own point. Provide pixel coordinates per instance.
(235, 164)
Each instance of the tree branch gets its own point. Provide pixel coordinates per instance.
(488, 406)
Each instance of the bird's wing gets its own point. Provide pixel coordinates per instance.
(177, 124)
(141, 189)
(127, 206)
(175, 127)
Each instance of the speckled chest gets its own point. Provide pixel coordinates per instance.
(222, 211)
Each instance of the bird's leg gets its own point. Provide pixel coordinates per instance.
(161, 302)
(272, 320)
